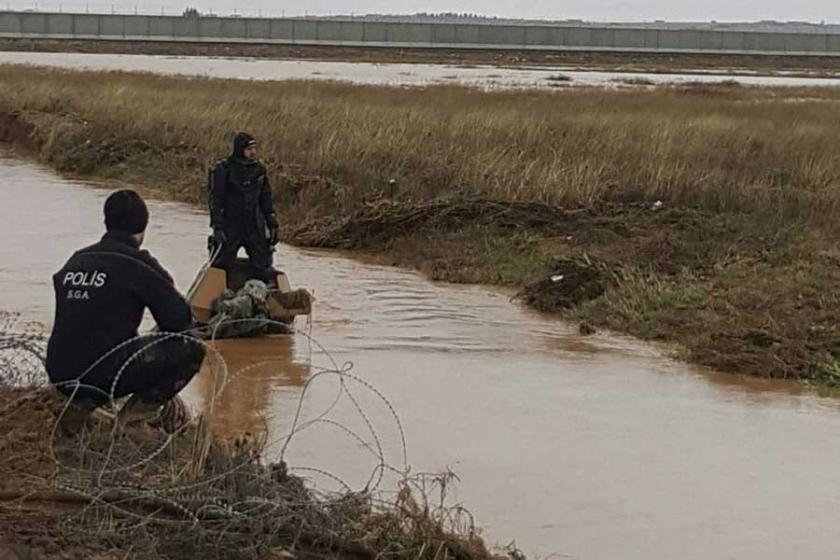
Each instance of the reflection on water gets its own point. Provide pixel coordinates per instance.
(236, 389)
(591, 448)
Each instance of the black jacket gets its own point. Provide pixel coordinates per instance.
(100, 296)
(240, 197)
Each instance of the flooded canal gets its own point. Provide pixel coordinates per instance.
(589, 448)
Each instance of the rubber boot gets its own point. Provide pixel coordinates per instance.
(173, 416)
(135, 416)
(74, 418)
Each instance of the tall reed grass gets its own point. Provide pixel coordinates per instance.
(717, 147)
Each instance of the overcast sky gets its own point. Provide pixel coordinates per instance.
(603, 10)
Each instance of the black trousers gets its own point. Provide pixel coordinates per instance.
(257, 247)
(155, 367)
(255, 243)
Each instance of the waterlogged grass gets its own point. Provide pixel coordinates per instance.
(647, 304)
(827, 375)
(516, 259)
(476, 254)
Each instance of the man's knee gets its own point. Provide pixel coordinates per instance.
(193, 353)
(182, 351)
(184, 356)
(174, 354)
(187, 361)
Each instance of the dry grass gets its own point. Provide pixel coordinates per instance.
(719, 148)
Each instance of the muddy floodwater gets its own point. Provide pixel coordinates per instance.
(589, 448)
(484, 77)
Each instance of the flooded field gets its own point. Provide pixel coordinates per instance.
(484, 77)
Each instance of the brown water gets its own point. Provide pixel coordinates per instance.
(596, 448)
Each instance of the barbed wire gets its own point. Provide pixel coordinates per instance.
(230, 497)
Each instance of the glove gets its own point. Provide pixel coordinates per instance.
(274, 235)
(219, 237)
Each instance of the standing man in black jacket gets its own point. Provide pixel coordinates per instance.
(242, 209)
(94, 353)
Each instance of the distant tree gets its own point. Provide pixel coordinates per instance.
(191, 12)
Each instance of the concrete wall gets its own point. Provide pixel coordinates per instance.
(443, 35)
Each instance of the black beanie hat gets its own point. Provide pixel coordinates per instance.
(126, 211)
(241, 141)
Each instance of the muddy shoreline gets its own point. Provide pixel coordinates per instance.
(734, 290)
(102, 493)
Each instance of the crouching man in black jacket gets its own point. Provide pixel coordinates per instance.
(94, 353)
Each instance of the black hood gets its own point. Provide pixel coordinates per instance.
(241, 141)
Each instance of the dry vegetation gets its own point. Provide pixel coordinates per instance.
(738, 262)
(103, 493)
(720, 148)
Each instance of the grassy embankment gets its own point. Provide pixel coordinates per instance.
(739, 265)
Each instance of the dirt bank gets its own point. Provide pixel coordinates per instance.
(630, 62)
(722, 242)
(103, 494)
